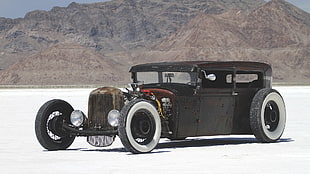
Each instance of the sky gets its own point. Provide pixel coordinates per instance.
(18, 8)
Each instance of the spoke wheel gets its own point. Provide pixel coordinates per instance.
(49, 122)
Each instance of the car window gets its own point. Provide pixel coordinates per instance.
(248, 80)
(147, 77)
(176, 77)
(188, 78)
(245, 80)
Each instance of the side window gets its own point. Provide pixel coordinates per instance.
(248, 80)
(188, 78)
(147, 77)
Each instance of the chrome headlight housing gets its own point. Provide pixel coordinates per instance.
(77, 118)
(113, 117)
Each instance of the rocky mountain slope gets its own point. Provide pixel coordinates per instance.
(277, 33)
(112, 26)
(107, 38)
(69, 64)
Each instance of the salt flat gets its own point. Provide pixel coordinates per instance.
(21, 153)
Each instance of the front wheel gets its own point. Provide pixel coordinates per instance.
(48, 125)
(267, 115)
(140, 126)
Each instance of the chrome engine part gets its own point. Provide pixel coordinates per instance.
(166, 106)
(100, 141)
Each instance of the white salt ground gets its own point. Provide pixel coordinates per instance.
(21, 153)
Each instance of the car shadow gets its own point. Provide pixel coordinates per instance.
(212, 142)
(193, 142)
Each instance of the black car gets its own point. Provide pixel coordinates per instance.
(171, 100)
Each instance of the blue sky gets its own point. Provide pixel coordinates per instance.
(18, 8)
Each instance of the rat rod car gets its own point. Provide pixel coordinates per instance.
(171, 100)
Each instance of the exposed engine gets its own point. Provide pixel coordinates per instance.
(166, 106)
(161, 98)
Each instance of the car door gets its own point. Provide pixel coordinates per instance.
(188, 116)
(217, 103)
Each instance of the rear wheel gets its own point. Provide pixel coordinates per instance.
(49, 122)
(267, 115)
(140, 126)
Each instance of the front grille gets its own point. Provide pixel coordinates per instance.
(101, 102)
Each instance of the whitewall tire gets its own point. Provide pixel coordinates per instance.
(140, 126)
(267, 115)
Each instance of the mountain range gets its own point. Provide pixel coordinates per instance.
(97, 43)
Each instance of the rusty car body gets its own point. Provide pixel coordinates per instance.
(171, 100)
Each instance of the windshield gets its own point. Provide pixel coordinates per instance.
(188, 78)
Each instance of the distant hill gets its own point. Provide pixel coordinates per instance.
(97, 43)
(65, 64)
(277, 33)
(112, 26)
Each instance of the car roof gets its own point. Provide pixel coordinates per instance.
(192, 66)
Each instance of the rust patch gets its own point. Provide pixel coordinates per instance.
(101, 102)
(104, 90)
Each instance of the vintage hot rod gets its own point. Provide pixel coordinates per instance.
(171, 100)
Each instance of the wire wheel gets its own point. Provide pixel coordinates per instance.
(49, 122)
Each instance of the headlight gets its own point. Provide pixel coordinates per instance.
(113, 117)
(77, 118)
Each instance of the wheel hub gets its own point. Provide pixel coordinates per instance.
(145, 127)
(142, 127)
(271, 116)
